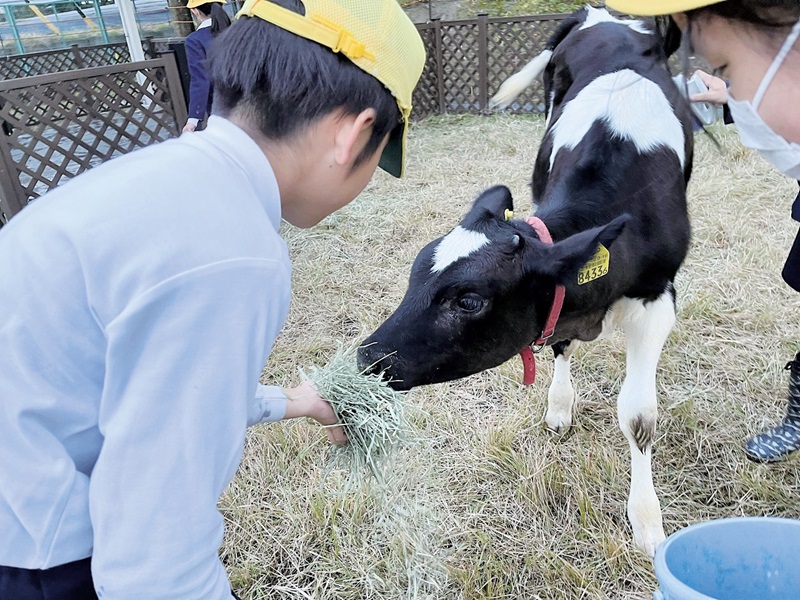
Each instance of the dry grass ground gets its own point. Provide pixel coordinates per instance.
(491, 505)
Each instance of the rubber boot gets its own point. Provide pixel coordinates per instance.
(782, 440)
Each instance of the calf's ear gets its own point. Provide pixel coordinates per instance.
(563, 260)
(493, 202)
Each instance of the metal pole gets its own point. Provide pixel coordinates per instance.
(131, 29)
(54, 8)
(430, 11)
(101, 20)
(14, 29)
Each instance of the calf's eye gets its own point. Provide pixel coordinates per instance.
(471, 303)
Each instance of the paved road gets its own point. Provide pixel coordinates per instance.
(148, 12)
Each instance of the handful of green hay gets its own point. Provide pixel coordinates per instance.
(374, 416)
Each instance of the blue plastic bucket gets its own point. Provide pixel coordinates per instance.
(745, 558)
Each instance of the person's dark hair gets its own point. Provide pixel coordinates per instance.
(765, 15)
(219, 18)
(282, 82)
(669, 33)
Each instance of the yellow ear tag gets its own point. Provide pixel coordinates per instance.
(596, 268)
(509, 214)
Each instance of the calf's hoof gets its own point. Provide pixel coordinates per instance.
(558, 422)
(648, 539)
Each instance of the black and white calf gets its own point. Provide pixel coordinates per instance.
(609, 184)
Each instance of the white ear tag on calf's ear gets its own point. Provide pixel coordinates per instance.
(597, 266)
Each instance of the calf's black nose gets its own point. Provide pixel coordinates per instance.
(370, 360)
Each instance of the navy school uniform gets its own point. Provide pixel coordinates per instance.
(200, 91)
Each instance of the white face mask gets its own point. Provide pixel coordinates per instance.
(756, 134)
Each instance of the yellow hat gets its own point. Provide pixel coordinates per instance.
(657, 7)
(376, 35)
(196, 3)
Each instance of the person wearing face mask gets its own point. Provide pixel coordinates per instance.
(755, 46)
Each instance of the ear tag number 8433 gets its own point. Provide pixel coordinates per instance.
(596, 268)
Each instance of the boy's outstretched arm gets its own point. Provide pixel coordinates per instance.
(273, 403)
(305, 401)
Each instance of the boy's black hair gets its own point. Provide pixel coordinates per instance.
(283, 82)
(219, 18)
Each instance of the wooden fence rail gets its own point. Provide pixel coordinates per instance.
(469, 59)
(66, 59)
(60, 124)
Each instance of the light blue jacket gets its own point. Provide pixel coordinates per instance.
(138, 305)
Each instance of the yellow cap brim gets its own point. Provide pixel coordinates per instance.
(651, 8)
(393, 158)
(196, 3)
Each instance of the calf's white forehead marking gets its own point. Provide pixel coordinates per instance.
(459, 243)
(595, 16)
(632, 106)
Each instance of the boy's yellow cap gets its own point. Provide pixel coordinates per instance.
(196, 3)
(657, 7)
(376, 35)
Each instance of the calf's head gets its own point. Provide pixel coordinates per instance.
(476, 296)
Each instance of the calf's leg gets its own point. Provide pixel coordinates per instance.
(646, 327)
(560, 394)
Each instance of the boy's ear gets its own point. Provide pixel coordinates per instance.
(352, 134)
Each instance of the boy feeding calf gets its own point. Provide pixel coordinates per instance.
(609, 233)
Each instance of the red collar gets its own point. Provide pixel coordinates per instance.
(527, 353)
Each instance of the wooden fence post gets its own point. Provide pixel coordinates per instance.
(149, 48)
(77, 59)
(483, 62)
(12, 198)
(437, 32)
(175, 90)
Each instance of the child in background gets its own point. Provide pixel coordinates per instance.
(212, 20)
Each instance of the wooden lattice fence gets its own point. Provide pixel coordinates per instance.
(67, 59)
(468, 60)
(60, 124)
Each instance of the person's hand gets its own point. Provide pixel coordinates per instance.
(189, 127)
(305, 401)
(717, 89)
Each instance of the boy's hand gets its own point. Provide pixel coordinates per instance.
(717, 89)
(305, 401)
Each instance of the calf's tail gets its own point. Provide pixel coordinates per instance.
(514, 85)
